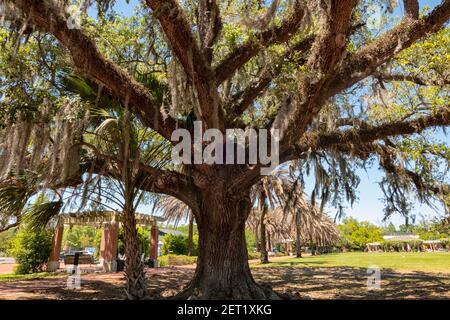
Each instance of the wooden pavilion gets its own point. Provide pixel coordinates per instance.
(110, 222)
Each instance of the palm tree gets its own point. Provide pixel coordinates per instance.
(123, 148)
(175, 211)
(293, 218)
(270, 192)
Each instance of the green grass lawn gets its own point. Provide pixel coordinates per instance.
(400, 261)
(39, 275)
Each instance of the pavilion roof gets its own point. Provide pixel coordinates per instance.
(96, 218)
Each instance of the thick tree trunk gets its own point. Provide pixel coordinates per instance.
(134, 268)
(191, 235)
(222, 267)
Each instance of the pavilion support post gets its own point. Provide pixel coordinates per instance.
(108, 247)
(154, 237)
(53, 262)
(288, 248)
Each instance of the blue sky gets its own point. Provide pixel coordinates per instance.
(126, 9)
(369, 207)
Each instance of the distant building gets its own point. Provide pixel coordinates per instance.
(401, 236)
(163, 232)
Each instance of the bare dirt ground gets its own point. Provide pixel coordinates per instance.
(289, 282)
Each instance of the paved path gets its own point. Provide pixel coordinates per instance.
(7, 268)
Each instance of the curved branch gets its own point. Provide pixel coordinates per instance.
(275, 35)
(293, 122)
(243, 99)
(366, 134)
(365, 61)
(150, 179)
(327, 52)
(417, 79)
(46, 16)
(179, 35)
(9, 226)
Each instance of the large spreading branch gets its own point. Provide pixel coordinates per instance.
(244, 98)
(249, 49)
(331, 40)
(150, 179)
(327, 51)
(387, 161)
(47, 16)
(414, 78)
(387, 156)
(294, 121)
(365, 61)
(366, 134)
(180, 38)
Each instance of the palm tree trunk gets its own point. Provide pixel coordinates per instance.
(298, 240)
(191, 235)
(134, 268)
(313, 250)
(263, 244)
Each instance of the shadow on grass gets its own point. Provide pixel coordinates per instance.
(289, 281)
(160, 286)
(351, 283)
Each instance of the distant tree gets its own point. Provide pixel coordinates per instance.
(79, 237)
(429, 229)
(31, 249)
(5, 240)
(143, 242)
(390, 228)
(356, 234)
(177, 244)
(176, 211)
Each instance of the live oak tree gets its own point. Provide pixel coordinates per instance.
(341, 94)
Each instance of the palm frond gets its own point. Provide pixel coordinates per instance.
(174, 210)
(13, 198)
(38, 215)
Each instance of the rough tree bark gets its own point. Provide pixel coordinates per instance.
(134, 268)
(222, 269)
